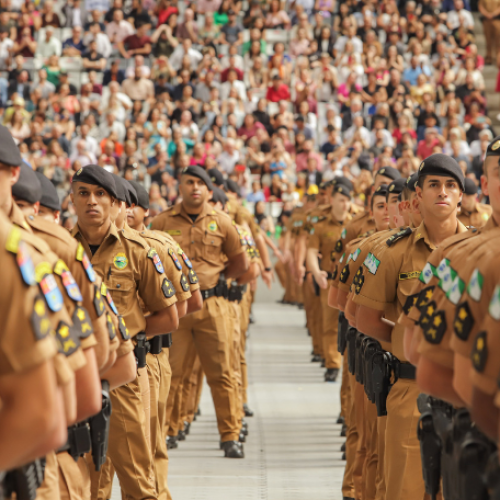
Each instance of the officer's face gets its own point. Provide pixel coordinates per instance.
(27, 208)
(136, 216)
(379, 180)
(340, 206)
(393, 210)
(469, 202)
(194, 191)
(439, 196)
(119, 214)
(48, 214)
(8, 177)
(379, 213)
(490, 183)
(92, 204)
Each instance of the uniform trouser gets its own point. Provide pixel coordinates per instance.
(350, 444)
(190, 394)
(371, 446)
(360, 454)
(129, 451)
(380, 479)
(403, 466)
(330, 316)
(491, 29)
(49, 490)
(206, 330)
(245, 306)
(345, 391)
(233, 328)
(316, 324)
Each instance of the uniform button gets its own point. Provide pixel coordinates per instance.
(118, 285)
(192, 242)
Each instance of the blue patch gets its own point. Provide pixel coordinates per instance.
(186, 260)
(107, 295)
(25, 264)
(71, 287)
(51, 292)
(153, 255)
(175, 259)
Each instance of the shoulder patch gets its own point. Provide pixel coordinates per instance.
(25, 264)
(82, 257)
(475, 286)
(456, 290)
(344, 274)
(48, 286)
(193, 277)
(479, 354)
(66, 339)
(339, 246)
(167, 288)
(411, 301)
(371, 263)
(153, 255)
(494, 306)
(436, 328)
(184, 283)
(122, 328)
(174, 258)
(358, 281)
(398, 236)
(111, 327)
(69, 283)
(39, 319)
(463, 322)
(98, 303)
(427, 312)
(427, 273)
(424, 297)
(82, 322)
(109, 299)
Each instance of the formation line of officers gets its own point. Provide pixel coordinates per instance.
(107, 332)
(403, 297)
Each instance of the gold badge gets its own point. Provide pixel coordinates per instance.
(120, 261)
(213, 226)
(79, 171)
(391, 188)
(496, 145)
(382, 171)
(422, 166)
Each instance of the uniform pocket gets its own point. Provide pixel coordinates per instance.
(212, 246)
(121, 290)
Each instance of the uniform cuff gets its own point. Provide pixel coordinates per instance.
(362, 300)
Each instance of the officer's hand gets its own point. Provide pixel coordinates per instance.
(321, 279)
(268, 277)
(301, 272)
(309, 281)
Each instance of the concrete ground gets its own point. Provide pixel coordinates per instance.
(293, 450)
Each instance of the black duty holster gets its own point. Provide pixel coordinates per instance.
(342, 333)
(99, 428)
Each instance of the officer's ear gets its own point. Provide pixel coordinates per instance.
(113, 201)
(484, 185)
(146, 213)
(15, 172)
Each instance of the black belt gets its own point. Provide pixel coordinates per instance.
(219, 290)
(404, 370)
(156, 345)
(141, 349)
(235, 293)
(329, 276)
(167, 340)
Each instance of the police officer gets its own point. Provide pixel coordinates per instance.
(322, 241)
(208, 236)
(128, 273)
(387, 278)
(473, 213)
(50, 206)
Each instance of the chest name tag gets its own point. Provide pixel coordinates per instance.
(409, 276)
(174, 232)
(82, 257)
(153, 255)
(174, 259)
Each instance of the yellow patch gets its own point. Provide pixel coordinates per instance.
(496, 145)
(12, 243)
(213, 226)
(120, 261)
(41, 270)
(60, 267)
(409, 276)
(174, 232)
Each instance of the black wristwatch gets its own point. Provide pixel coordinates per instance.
(267, 269)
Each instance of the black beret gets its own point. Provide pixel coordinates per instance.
(27, 187)
(493, 147)
(396, 186)
(443, 165)
(50, 198)
(219, 196)
(344, 181)
(121, 193)
(142, 194)
(233, 187)
(216, 177)
(411, 182)
(390, 172)
(381, 190)
(97, 176)
(9, 152)
(470, 186)
(200, 173)
(130, 193)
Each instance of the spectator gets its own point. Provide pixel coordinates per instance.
(138, 88)
(185, 49)
(257, 194)
(48, 45)
(229, 158)
(74, 46)
(92, 60)
(49, 17)
(278, 91)
(277, 18)
(431, 140)
(232, 32)
(113, 74)
(138, 43)
(189, 28)
(118, 29)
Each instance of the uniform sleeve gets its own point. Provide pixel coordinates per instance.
(155, 289)
(231, 245)
(171, 262)
(378, 282)
(314, 237)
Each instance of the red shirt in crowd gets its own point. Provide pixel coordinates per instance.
(425, 150)
(282, 94)
(133, 42)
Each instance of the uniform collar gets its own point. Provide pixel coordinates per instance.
(113, 231)
(18, 218)
(421, 233)
(490, 224)
(207, 210)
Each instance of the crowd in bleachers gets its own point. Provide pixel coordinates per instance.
(280, 95)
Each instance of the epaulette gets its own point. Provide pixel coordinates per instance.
(399, 235)
(368, 233)
(51, 228)
(134, 236)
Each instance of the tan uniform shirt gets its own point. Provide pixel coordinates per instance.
(477, 218)
(123, 263)
(207, 240)
(390, 274)
(27, 335)
(358, 225)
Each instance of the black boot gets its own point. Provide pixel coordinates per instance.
(181, 436)
(171, 442)
(247, 410)
(340, 419)
(242, 437)
(331, 374)
(342, 448)
(232, 449)
(187, 427)
(244, 427)
(323, 362)
(316, 358)
(343, 432)
(343, 456)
